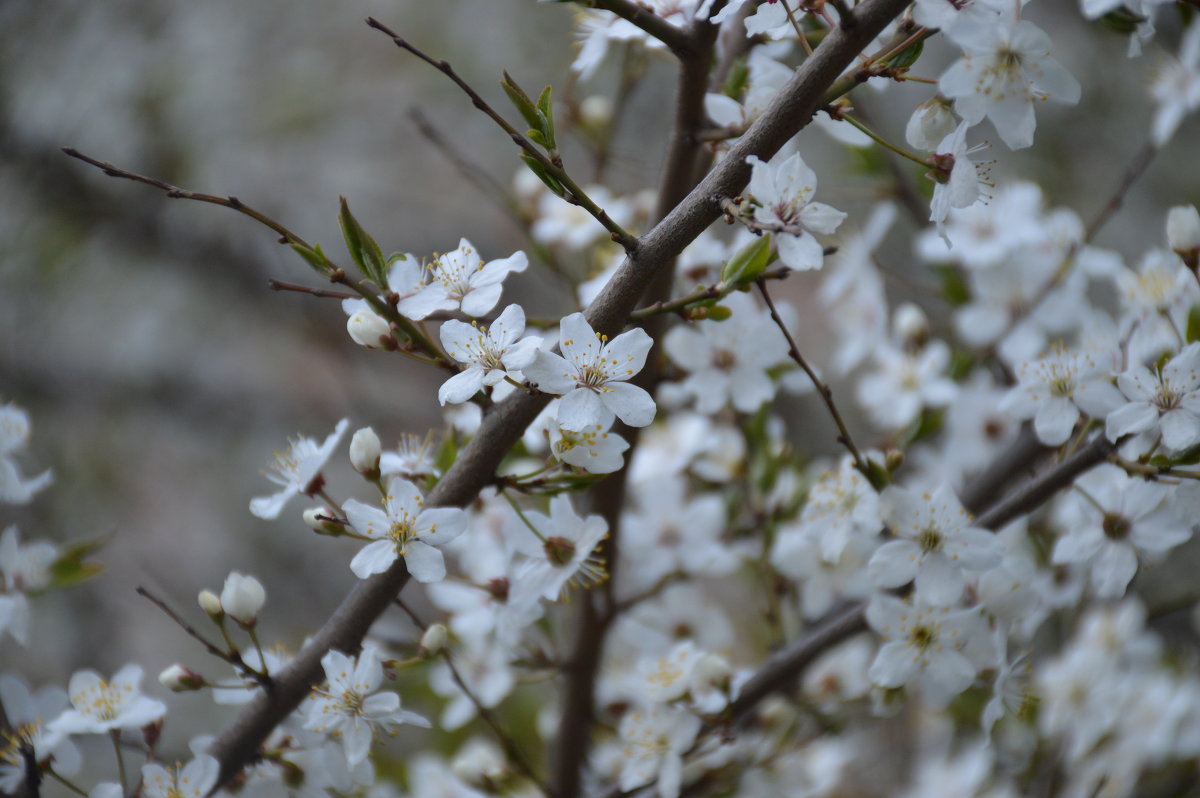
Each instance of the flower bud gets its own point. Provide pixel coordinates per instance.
(368, 328)
(319, 521)
(365, 450)
(910, 325)
(712, 670)
(480, 764)
(931, 122)
(1183, 234)
(179, 679)
(242, 598)
(596, 111)
(433, 642)
(211, 604)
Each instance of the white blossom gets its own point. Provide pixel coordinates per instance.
(98, 707)
(403, 528)
(783, 194)
(491, 353)
(296, 471)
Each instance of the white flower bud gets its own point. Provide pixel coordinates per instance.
(211, 604)
(318, 521)
(596, 111)
(433, 642)
(179, 679)
(1183, 228)
(480, 763)
(931, 122)
(365, 450)
(242, 597)
(366, 327)
(711, 670)
(910, 325)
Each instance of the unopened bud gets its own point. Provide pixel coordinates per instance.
(433, 642)
(179, 679)
(910, 325)
(893, 459)
(242, 597)
(1183, 234)
(596, 111)
(368, 328)
(931, 122)
(712, 669)
(211, 604)
(320, 520)
(481, 764)
(365, 450)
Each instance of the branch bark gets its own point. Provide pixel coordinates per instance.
(238, 745)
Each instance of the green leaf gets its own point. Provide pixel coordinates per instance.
(538, 169)
(908, 56)
(748, 262)
(954, 285)
(1193, 324)
(315, 258)
(70, 569)
(877, 475)
(545, 108)
(521, 101)
(363, 249)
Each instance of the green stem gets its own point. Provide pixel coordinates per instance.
(115, 735)
(885, 143)
(70, 785)
(517, 509)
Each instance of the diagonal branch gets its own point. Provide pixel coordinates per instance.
(238, 745)
(676, 39)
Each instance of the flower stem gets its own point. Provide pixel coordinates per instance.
(115, 735)
(517, 509)
(885, 143)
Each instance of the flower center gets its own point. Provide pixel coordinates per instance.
(1115, 527)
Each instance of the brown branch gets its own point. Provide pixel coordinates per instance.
(506, 740)
(234, 658)
(822, 387)
(786, 665)
(574, 194)
(676, 39)
(504, 424)
(1132, 172)
(280, 285)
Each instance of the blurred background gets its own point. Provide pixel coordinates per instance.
(160, 370)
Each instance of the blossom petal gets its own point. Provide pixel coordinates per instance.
(631, 404)
(425, 563)
(374, 558)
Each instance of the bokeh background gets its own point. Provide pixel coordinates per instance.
(160, 370)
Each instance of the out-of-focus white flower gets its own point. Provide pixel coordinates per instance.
(923, 644)
(22, 569)
(1054, 389)
(560, 549)
(1164, 402)
(955, 177)
(904, 382)
(28, 715)
(1005, 68)
(936, 543)
(654, 741)
(99, 707)
(296, 471)
(597, 450)
(14, 437)
(931, 122)
(1177, 87)
(193, 780)
(1183, 229)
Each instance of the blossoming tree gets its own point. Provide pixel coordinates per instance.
(623, 575)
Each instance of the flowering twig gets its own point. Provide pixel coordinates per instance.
(335, 273)
(489, 717)
(700, 294)
(823, 389)
(574, 194)
(503, 426)
(280, 285)
(231, 656)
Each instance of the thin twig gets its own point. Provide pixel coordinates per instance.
(503, 426)
(575, 195)
(700, 294)
(1136, 169)
(335, 273)
(489, 717)
(233, 657)
(280, 285)
(823, 389)
(676, 39)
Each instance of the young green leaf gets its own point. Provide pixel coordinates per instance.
(363, 249)
(748, 262)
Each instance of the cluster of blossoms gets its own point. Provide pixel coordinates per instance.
(738, 615)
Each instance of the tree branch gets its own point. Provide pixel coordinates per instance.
(239, 744)
(676, 39)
